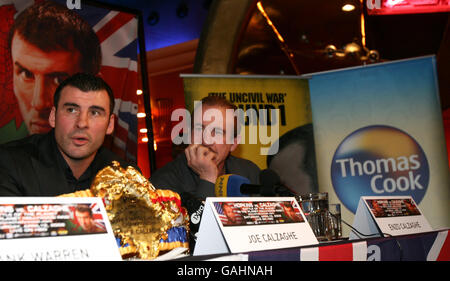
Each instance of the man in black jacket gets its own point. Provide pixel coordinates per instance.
(209, 154)
(67, 158)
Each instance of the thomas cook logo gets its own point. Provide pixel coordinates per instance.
(379, 161)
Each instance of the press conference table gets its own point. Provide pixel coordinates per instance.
(429, 246)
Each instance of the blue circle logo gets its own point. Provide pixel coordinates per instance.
(379, 161)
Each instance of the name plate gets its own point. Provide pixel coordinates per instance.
(392, 215)
(55, 229)
(245, 224)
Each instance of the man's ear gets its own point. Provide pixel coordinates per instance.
(52, 117)
(110, 128)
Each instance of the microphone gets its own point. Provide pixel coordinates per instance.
(234, 186)
(194, 207)
(238, 186)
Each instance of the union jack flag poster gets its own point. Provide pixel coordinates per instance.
(40, 49)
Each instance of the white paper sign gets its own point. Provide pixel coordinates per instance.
(245, 224)
(392, 215)
(55, 229)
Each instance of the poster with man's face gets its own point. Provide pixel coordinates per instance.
(44, 42)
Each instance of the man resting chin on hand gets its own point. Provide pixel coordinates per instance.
(208, 156)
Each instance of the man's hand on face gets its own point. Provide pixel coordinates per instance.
(201, 159)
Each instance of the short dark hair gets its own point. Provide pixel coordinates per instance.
(53, 27)
(218, 101)
(84, 209)
(85, 82)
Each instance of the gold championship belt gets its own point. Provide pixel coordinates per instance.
(146, 221)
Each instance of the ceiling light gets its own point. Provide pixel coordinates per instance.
(144, 130)
(348, 8)
(352, 48)
(330, 50)
(141, 115)
(139, 92)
